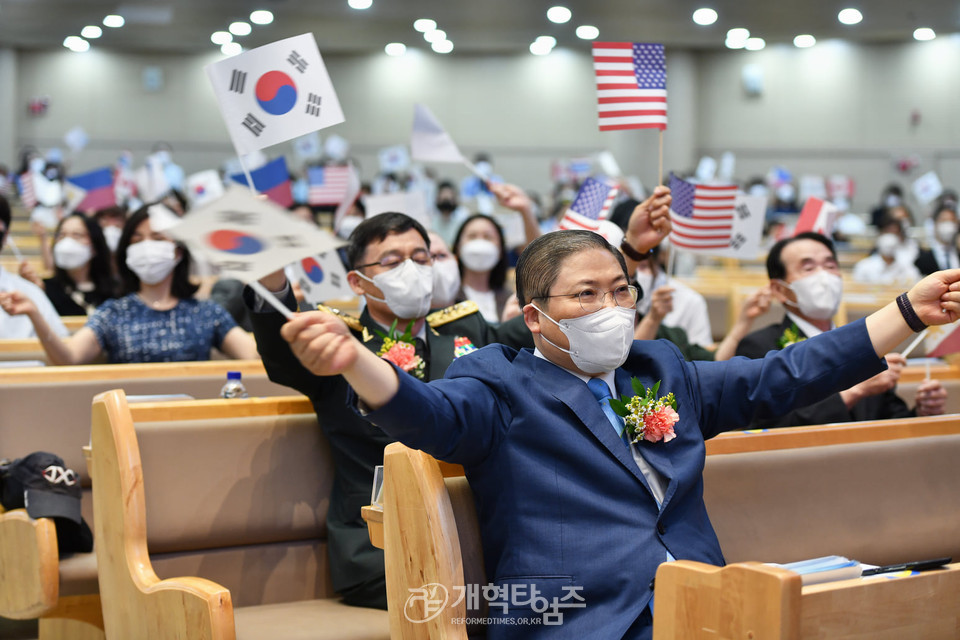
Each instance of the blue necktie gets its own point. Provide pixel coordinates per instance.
(601, 392)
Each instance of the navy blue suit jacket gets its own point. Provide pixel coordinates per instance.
(561, 501)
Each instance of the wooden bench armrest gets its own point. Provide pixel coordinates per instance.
(136, 604)
(29, 565)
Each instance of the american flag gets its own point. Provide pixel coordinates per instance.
(28, 196)
(631, 85)
(701, 215)
(328, 185)
(591, 205)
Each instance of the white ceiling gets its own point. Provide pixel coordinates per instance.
(474, 26)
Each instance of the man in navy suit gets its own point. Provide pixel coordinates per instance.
(567, 507)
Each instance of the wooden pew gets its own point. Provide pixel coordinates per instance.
(235, 491)
(881, 492)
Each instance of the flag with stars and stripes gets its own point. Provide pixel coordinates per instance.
(702, 216)
(592, 204)
(631, 85)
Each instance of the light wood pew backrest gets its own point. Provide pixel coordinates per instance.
(48, 408)
(234, 494)
(881, 492)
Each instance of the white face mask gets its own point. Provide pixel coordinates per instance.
(599, 341)
(818, 295)
(479, 255)
(648, 284)
(347, 225)
(407, 289)
(946, 231)
(112, 236)
(446, 283)
(887, 244)
(70, 253)
(152, 260)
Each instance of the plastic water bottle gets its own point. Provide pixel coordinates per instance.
(234, 387)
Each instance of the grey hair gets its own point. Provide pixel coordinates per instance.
(539, 265)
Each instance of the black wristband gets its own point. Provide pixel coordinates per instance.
(632, 253)
(909, 315)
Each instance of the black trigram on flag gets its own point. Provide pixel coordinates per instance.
(335, 279)
(298, 62)
(255, 126)
(313, 104)
(237, 80)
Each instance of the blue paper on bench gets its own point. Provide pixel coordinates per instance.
(22, 363)
(825, 569)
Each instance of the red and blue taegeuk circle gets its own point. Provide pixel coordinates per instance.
(313, 270)
(236, 242)
(276, 93)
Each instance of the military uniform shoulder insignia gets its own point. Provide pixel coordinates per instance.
(453, 312)
(350, 321)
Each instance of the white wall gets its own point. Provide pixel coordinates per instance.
(8, 105)
(834, 108)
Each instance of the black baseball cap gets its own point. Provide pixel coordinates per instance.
(43, 484)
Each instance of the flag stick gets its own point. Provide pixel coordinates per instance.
(672, 263)
(660, 166)
(13, 245)
(272, 299)
(928, 369)
(913, 345)
(473, 169)
(261, 290)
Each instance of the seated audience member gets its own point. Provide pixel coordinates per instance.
(446, 273)
(908, 249)
(482, 256)
(156, 320)
(567, 495)
(82, 278)
(883, 267)
(12, 327)
(111, 221)
(942, 253)
(689, 308)
(449, 215)
(892, 196)
(805, 278)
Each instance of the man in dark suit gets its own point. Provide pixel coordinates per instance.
(805, 278)
(566, 506)
(390, 258)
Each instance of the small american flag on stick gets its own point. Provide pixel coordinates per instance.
(631, 85)
(591, 205)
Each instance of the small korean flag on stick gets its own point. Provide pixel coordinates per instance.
(275, 93)
(321, 278)
(247, 237)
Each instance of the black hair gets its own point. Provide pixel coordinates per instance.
(5, 218)
(180, 287)
(539, 265)
(498, 275)
(775, 268)
(101, 273)
(376, 229)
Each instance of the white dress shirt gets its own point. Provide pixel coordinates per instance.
(20, 327)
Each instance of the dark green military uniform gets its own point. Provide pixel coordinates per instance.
(357, 445)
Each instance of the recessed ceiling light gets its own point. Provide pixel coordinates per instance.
(70, 41)
(559, 14)
(705, 16)
(359, 4)
(395, 49)
(91, 31)
(442, 46)
(231, 49)
(539, 48)
(739, 34)
(261, 16)
(850, 16)
(735, 44)
(113, 21)
(587, 32)
(549, 41)
(755, 44)
(804, 40)
(436, 35)
(425, 24)
(924, 33)
(221, 37)
(76, 44)
(240, 28)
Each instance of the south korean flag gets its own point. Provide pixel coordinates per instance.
(274, 93)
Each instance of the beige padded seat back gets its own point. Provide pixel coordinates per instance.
(55, 416)
(222, 483)
(895, 490)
